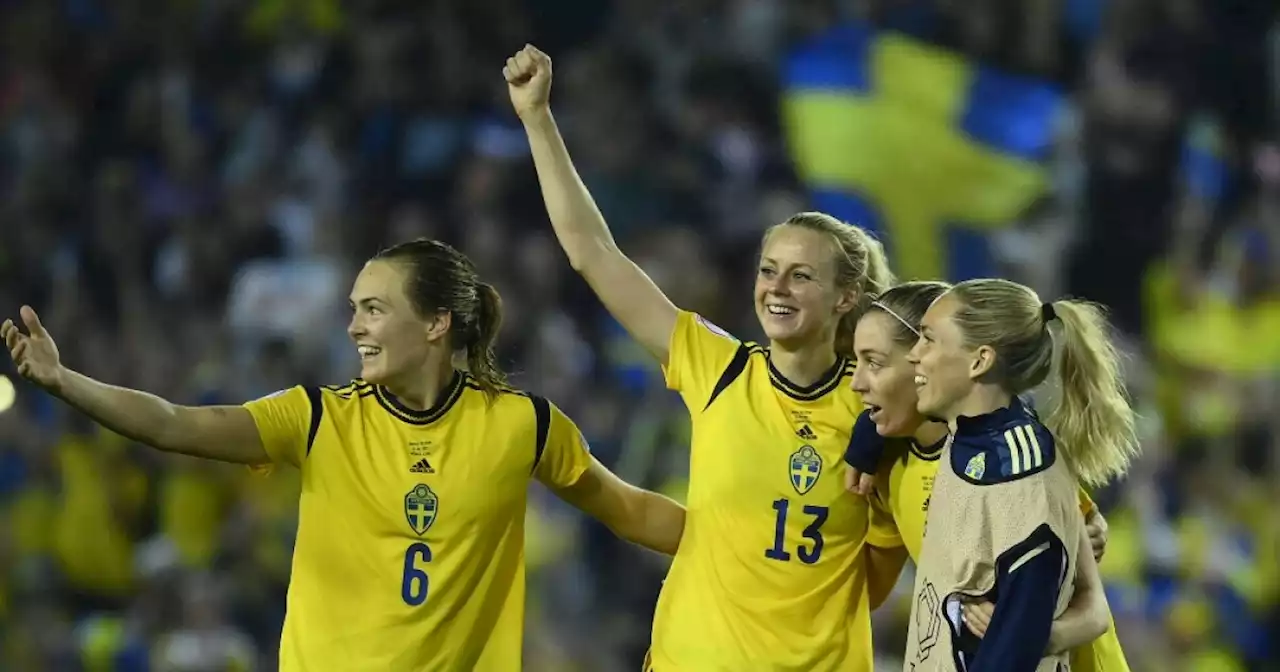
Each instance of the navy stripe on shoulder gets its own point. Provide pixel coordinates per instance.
(736, 366)
(542, 416)
(317, 411)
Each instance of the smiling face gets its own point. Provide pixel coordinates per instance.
(797, 299)
(884, 377)
(946, 369)
(392, 338)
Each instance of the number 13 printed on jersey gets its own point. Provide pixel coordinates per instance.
(813, 532)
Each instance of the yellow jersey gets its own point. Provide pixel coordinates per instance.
(904, 485)
(410, 546)
(903, 488)
(769, 574)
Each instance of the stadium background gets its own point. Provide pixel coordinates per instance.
(187, 187)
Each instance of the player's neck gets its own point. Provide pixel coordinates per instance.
(930, 433)
(982, 400)
(802, 366)
(423, 388)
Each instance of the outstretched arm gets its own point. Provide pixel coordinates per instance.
(639, 516)
(565, 465)
(226, 433)
(629, 294)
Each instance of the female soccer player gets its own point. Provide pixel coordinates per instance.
(769, 573)
(410, 548)
(885, 334)
(1003, 518)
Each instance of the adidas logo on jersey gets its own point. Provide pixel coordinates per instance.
(422, 467)
(805, 432)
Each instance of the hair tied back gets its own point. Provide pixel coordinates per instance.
(1047, 313)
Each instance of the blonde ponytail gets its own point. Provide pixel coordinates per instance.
(1092, 419)
(879, 277)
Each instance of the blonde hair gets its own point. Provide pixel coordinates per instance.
(1092, 421)
(861, 265)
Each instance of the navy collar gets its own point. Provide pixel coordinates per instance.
(1016, 411)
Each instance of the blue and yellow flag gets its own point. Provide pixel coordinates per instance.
(917, 143)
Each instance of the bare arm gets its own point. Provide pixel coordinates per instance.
(639, 516)
(1088, 616)
(224, 433)
(629, 294)
(884, 566)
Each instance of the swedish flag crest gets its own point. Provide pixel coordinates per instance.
(420, 507)
(977, 467)
(806, 467)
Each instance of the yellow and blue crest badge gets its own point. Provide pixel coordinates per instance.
(420, 507)
(806, 467)
(977, 467)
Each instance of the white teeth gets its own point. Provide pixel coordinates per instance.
(921, 380)
(780, 310)
(368, 350)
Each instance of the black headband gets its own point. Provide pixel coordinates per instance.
(1047, 313)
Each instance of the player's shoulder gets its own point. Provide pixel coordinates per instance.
(699, 326)
(354, 390)
(512, 405)
(752, 351)
(1007, 445)
(503, 395)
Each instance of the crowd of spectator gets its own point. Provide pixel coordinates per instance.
(187, 188)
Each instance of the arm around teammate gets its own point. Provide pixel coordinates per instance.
(566, 466)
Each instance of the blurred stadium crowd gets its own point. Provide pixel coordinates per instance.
(188, 186)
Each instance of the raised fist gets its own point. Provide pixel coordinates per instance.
(528, 75)
(34, 353)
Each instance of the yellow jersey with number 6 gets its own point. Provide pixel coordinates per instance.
(769, 574)
(410, 547)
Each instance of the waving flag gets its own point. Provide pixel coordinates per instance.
(917, 143)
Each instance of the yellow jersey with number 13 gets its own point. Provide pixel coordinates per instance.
(769, 574)
(410, 547)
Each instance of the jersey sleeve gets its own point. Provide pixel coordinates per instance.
(561, 453)
(1087, 505)
(1026, 597)
(699, 356)
(866, 446)
(287, 422)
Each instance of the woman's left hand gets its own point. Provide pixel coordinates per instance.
(977, 616)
